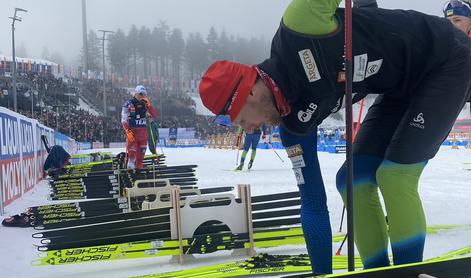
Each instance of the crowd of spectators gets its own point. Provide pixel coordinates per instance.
(80, 125)
(56, 105)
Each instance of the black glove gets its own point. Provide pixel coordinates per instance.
(365, 4)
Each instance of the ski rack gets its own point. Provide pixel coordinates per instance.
(158, 191)
(175, 197)
(240, 220)
(246, 195)
(159, 203)
(181, 211)
(136, 191)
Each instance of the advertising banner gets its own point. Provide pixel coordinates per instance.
(22, 154)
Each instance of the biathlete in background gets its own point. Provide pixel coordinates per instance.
(250, 142)
(134, 121)
(459, 13)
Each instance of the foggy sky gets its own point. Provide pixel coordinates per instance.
(57, 24)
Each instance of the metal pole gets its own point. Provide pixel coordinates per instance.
(104, 84)
(13, 64)
(70, 128)
(104, 69)
(13, 60)
(104, 77)
(349, 124)
(84, 38)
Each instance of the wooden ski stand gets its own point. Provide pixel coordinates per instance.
(158, 191)
(236, 215)
(245, 195)
(175, 197)
(137, 191)
(185, 219)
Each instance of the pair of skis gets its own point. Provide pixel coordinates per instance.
(155, 223)
(262, 202)
(262, 264)
(200, 244)
(49, 214)
(110, 185)
(450, 265)
(116, 162)
(456, 264)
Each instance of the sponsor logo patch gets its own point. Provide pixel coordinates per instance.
(299, 176)
(338, 105)
(359, 67)
(233, 99)
(294, 150)
(298, 161)
(309, 64)
(373, 67)
(418, 121)
(305, 116)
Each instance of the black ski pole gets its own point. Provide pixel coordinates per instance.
(341, 220)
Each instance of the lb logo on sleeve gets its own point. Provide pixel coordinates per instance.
(305, 116)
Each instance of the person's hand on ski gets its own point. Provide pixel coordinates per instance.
(130, 135)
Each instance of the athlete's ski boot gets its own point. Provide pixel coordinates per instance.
(239, 168)
(250, 164)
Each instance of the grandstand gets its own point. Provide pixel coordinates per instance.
(30, 65)
(73, 106)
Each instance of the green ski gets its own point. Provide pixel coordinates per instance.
(262, 264)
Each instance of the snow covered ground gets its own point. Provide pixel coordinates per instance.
(445, 189)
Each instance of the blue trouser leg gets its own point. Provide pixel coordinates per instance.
(314, 213)
(255, 140)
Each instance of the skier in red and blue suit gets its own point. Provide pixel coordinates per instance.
(133, 119)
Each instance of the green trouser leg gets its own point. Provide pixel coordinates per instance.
(242, 158)
(407, 228)
(252, 154)
(371, 236)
